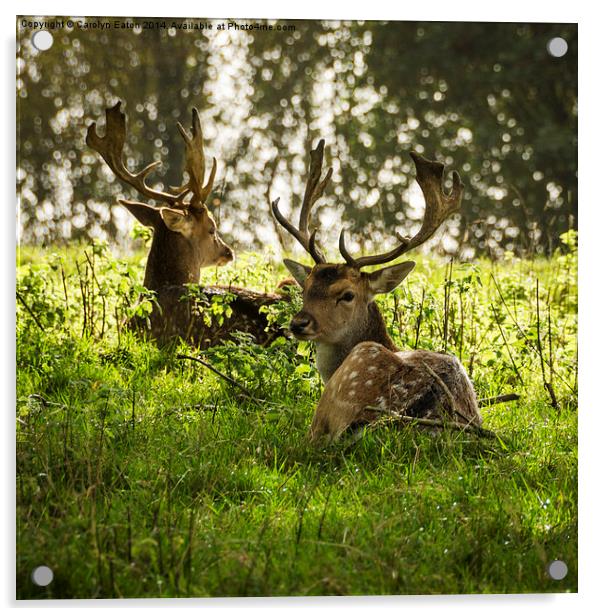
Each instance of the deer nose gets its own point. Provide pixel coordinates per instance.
(300, 322)
(228, 254)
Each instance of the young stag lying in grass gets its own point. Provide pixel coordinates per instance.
(366, 376)
(185, 239)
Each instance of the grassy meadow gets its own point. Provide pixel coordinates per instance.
(142, 475)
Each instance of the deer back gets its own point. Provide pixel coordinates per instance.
(374, 382)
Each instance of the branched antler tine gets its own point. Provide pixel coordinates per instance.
(313, 188)
(438, 205)
(429, 175)
(209, 186)
(196, 124)
(148, 169)
(343, 250)
(195, 161)
(313, 250)
(187, 138)
(457, 189)
(180, 192)
(284, 222)
(307, 242)
(110, 147)
(321, 187)
(374, 259)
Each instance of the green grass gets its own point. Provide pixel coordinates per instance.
(140, 475)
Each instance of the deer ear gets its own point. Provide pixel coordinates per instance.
(299, 271)
(386, 279)
(177, 221)
(144, 213)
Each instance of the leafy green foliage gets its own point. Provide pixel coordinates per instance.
(141, 475)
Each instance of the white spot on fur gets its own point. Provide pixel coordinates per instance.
(353, 374)
(369, 382)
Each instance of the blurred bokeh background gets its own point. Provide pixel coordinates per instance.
(487, 99)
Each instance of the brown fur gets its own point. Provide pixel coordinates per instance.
(177, 316)
(185, 239)
(175, 260)
(374, 376)
(360, 364)
(356, 358)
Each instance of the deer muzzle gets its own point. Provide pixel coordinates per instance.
(227, 255)
(303, 326)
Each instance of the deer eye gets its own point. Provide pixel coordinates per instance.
(346, 297)
(212, 231)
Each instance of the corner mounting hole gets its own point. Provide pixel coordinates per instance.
(42, 576)
(557, 47)
(42, 40)
(557, 569)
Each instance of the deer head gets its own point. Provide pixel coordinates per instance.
(338, 309)
(185, 237)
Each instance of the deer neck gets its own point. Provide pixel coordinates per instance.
(330, 356)
(172, 260)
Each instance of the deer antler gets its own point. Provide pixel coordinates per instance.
(110, 147)
(314, 189)
(429, 175)
(195, 161)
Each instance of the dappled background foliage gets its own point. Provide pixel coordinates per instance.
(486, 99)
